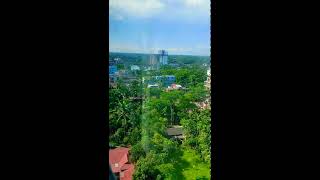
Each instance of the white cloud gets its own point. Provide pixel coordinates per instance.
(169, 9)
(137, 8)
(197, 3)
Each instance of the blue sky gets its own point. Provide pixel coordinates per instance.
(146, 26)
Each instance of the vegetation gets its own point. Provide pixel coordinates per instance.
(143, 59)
(142, 124)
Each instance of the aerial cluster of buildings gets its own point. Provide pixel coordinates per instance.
(119, 157)
(163, 80)
(155, 62)
(125, 75)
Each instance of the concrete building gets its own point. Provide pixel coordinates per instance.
(163, 57)
(135, 68)
(153, 62)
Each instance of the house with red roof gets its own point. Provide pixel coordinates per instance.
(119, 162)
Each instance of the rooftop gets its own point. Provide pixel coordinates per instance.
(175, 131)
(116, 155)
(127, 171)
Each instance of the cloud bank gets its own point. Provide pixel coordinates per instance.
(167, 9)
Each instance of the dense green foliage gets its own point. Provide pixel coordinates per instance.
(142, 123)
(198, 131)
(124, 114)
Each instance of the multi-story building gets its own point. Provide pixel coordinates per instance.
(153, 62)
(163, 57)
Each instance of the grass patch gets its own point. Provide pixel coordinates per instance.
(197, 167)
(190, 166)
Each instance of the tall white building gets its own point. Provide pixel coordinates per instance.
(163, 57)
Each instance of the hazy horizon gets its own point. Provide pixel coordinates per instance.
(157, 53)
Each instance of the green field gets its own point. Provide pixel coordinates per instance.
(190, 167)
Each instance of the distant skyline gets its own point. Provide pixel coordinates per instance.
(146, 26)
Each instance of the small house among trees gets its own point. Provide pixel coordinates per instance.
(120, 165)
(176, 132)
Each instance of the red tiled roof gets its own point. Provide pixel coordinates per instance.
(126, 166)
(115, 155)
(118, 155)
(128, 172)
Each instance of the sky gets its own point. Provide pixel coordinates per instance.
(146, 26)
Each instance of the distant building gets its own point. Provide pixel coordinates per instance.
(153, 62)
(128, 79)
(207, 102)
(122, 73)
(135, 68)
(153, 85)
(208, 81)
(112, 62)
(119, 162)
(174, 87)
(163, 57)
(168, 80)
(112, 69)
(173, 65)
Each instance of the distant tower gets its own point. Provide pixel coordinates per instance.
(153, 62)
(163, 57)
